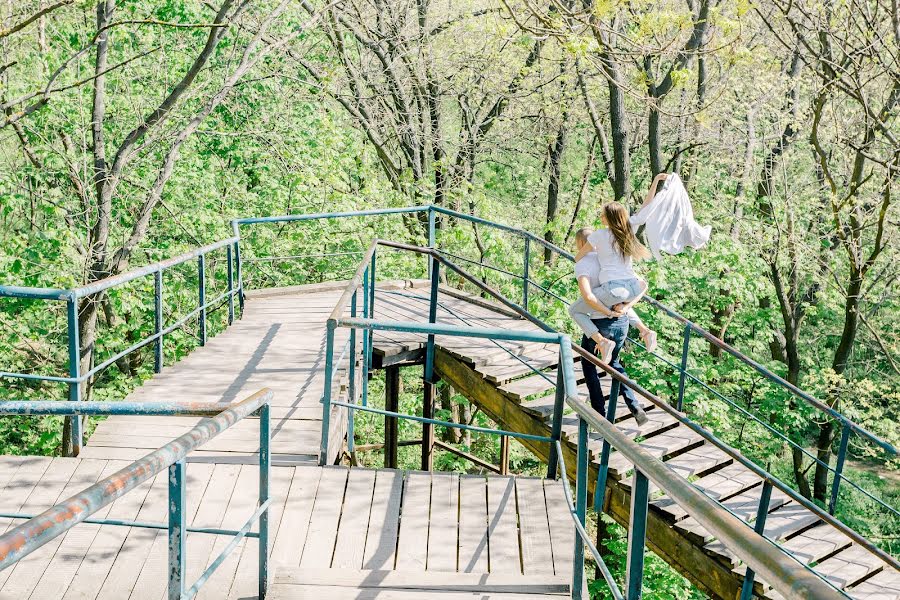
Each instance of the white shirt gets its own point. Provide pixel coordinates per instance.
(610, 262)
(669, 220)
(590, 268)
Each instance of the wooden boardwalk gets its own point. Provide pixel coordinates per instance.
(355, 533)
(349, 529)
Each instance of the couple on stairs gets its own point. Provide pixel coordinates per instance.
(608, 285)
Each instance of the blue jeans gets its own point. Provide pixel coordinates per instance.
(615, 330)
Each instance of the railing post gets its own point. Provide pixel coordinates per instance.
(504, 454)
(352, 383)
(684, 358)
(365, 340)
(603, 470)
(177, 530)
(326, 394)
(158, 320)
(372, 273)
(74, 369)
(581, 490)
(759, 527)
(428, 404)
(431, 238)
(839, 468)
(229, 258)
(392, 404)
(525, 270)
(239, 275)
(637, 536)
(201, 277)
(556, 431)
(265, 463)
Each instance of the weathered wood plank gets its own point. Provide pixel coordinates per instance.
(351, 535)
(322, 533)
(534, 526)
(503, 534)
(290, 537)
(412, 547)
(384, 522)
(443, 525)
(562, 528)
(473, 534)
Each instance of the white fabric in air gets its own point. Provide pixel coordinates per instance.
(669, 220)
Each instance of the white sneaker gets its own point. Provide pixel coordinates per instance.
(605, 349)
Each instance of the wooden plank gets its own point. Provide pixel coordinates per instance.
(134, 550)
(660, 446)
(718, 485)
(884, 585)
(44, 494)
(246, 578)
(816, 544)
(503, 534)
(849, 566)
(562, 528)
(443, 526)
(241, 505)
(26, 573)
(412, 545)
(105, 546)
(351, 535)
(537, 384)
(322, 534)
(534, 526)
(384, 521)
(152, 583)
(781, 523)
(744, 506)
(473, 538)
(290, 537)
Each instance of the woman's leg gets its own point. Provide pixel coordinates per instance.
(617, 330)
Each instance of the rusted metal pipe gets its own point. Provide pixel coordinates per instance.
(34, 533)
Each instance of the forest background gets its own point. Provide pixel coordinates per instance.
(132, 131)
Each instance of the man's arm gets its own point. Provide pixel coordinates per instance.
(584, 288)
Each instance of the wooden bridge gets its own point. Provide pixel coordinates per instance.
(343, 532)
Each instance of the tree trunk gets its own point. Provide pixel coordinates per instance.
(555, 166)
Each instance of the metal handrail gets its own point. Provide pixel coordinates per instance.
(53, 522)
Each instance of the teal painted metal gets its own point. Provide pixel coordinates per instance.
(177, 529)
(454, 330)
(229, 259)
(839, 469)
(637, 535)
(366, 350)
(388, 413)
(559, 403)
(41, 529)
(97, 408)
(603, 469)
(431, 238)
(139, 524)
(526, 264)
(582, 532)
(432, 319)
(201, 289)
(685, 350)
(326, 394)
(352, 383)
(581, 491)
(158, 355)
(759, 527)
(75, 432)
(265, 469)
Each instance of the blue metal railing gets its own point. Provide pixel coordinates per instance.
(53, 522)
(760, 554)
(77, 378)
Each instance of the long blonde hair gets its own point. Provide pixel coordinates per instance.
(624, 239)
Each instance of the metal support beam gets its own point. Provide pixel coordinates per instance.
(177, 529)
(559, 403)
(685, 349)
(158, 321)
(429, 379)
(201, 288)
(603, 470)
(581, 490)
(428, 428)
(265, 466)
(637, 536)
(504, 455)
(229, 258)
(326, 394)
(74, 371)
(353, 376)
(392, 404)
(759, 527)
(525, 272)
(839, 469)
